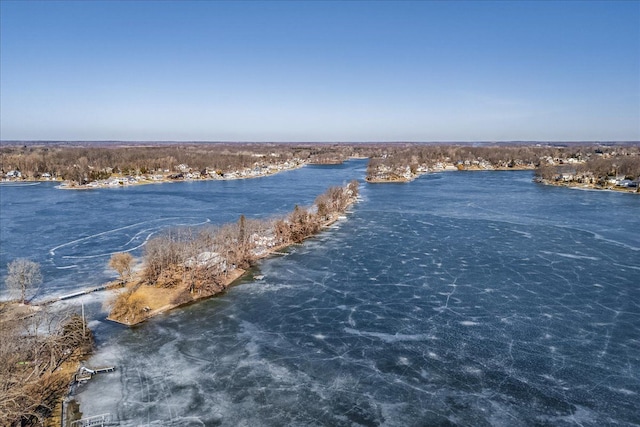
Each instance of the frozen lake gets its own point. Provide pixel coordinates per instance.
(474, 298)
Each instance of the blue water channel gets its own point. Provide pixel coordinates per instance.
(462, 298)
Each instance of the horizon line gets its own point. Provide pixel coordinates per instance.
(168, 141)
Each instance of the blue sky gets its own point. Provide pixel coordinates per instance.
(320, 71)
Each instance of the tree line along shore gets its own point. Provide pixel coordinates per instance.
(113, 165)
(40, 351)
(41, 348)
(593, 166)
(89, 165)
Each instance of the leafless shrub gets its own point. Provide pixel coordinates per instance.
(122, 262)
(22, 275)
(31, 351)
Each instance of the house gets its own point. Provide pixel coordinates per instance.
(208, 260)
(616, 180)
(626, 183)
(14, 174)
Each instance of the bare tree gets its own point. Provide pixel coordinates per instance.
(22, 275)
(122, 263)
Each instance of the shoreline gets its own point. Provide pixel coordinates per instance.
(52, 380)
(573, 185)
(118, 181)
(590, 187)
(399, 179)
(237, 175)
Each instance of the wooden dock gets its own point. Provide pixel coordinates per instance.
(81, 293)
(96, 421)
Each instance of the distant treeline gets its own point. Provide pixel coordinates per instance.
(601, 161)
(199, 260)
(90, 163)
(595, 170)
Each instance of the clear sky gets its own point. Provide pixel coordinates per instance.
(320, 71)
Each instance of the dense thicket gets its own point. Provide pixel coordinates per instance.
(31, 351)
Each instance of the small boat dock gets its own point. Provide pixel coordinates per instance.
(97, 421)
(84, 374)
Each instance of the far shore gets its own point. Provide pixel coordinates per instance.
(448, 168)
(166, 178)
(590, 187)
(396, 179)
(121, 180)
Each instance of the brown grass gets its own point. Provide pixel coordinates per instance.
(140, 302)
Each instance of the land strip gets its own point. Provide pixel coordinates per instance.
(189, 265)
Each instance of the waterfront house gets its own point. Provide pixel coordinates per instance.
(626, 183)
(208, 260)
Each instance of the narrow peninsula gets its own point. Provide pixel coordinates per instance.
(185, 265)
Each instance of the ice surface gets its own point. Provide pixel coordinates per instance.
(470, 299)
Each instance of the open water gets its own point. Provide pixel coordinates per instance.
(473, 299)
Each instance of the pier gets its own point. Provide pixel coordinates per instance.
(85, 374)
(81, 293)
(96, 421)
